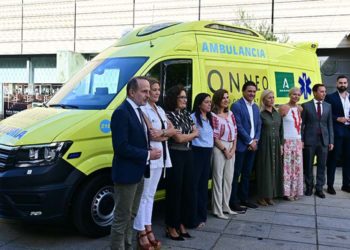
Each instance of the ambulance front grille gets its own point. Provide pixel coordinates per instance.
(7, 156)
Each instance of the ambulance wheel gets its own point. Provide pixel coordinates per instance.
(94, 206)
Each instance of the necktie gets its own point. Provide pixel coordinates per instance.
(143, 123)
(145, 130)
(319, 110)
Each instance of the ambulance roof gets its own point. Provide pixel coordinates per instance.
(154, 31)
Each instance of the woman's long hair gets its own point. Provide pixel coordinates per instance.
(217, 98)
(196, 110)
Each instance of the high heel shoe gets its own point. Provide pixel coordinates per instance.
(143, 246)
(177, 238)
(185, 235)
(155, 243)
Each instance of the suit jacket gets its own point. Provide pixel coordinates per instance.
(340, 129)
(129, 145)
(311, 124)
(241, 114)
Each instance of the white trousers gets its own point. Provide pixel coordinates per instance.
(222, 180)
(144, 214)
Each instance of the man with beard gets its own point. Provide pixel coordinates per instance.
(341, 125)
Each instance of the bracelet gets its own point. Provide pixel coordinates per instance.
(163, 132)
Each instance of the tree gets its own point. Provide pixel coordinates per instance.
(262, 27)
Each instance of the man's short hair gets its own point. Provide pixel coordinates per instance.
(133, 83)
(342, 76)
(317, 86)
(247, 84)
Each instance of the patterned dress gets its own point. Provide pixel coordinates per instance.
(293, 155)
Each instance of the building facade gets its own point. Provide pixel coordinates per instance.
(46, 41)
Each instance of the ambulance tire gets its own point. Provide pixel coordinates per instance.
(93, 206)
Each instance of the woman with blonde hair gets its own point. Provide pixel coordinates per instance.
(293, 147)
(160, 131)
(269, 171)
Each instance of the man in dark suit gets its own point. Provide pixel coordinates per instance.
(317, 136)
(340, 102)
(248, 121)
(130, 161)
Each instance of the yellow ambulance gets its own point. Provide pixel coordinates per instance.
(55, 161)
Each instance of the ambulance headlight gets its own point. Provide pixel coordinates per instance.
(40, 154)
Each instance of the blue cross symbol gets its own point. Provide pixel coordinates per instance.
(305, 83)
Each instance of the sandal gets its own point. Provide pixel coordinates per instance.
(202, 224)
(154, 242)
(141, 245)
(262, 202)
(289, 198)
(269, 201)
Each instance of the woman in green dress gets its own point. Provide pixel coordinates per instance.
(269, 168)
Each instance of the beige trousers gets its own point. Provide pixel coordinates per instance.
(222, 180)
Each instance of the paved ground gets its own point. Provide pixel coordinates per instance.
(309, 223)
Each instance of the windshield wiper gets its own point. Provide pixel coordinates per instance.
(64, 106)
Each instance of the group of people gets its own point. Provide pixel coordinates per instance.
(185, 147)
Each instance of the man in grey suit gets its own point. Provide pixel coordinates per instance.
(317, 136)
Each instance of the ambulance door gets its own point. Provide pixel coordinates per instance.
(171, 73)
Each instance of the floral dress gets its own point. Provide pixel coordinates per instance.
(293, 182)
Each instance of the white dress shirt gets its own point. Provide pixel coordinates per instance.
(135, 107)
(251, 116)
(346, 105)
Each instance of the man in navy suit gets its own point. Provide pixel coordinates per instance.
(248, 121)
(341, 126)
(130, 161)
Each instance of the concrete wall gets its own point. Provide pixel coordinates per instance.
(88, 26)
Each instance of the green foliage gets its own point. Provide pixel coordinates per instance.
(262, 27)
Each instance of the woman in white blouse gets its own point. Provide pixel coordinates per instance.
(160, 130)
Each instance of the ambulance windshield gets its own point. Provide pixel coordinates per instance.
(97, 84)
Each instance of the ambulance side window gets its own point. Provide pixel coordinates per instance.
(171, 73)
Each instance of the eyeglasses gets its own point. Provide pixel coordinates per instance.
(182, 97)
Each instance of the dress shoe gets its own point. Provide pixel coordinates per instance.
(320, 194)
(230, 212)
(248, 204)
(238, 209)
(331, 190)
(308, 192)
(345, 189)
